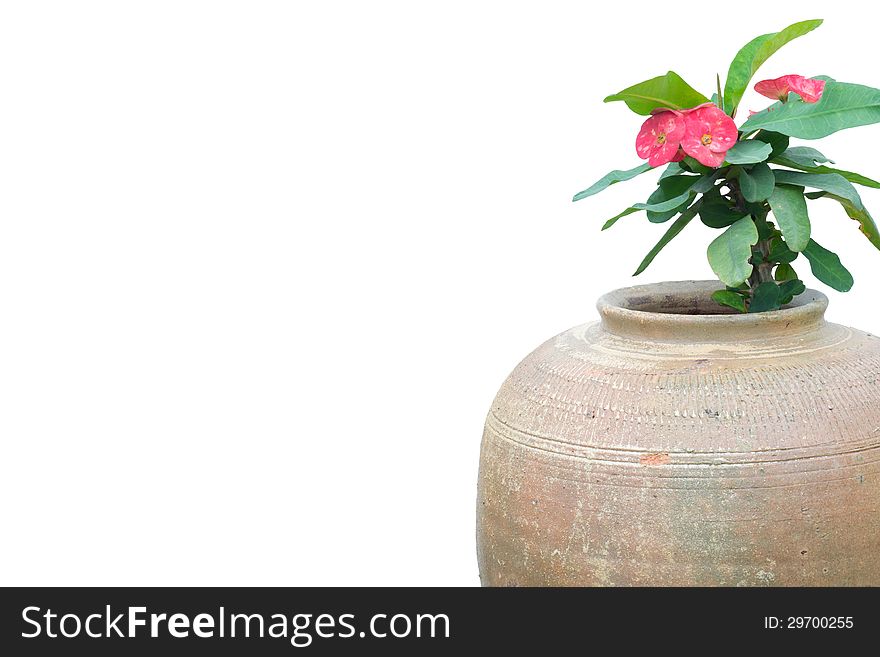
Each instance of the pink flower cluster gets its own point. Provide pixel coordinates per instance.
(808, 89)
(704, 132)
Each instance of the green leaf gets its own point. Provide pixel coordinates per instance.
(668, 91)
(750, 58)
(676, 227)
(705, 182)
(766, 229)
(699, 185)
(691, 164)
(778, 141)
(663, 206)
(841, 190)
(608, 224)
(674, 169)
(765, 297)
(779, 252)
(757, 256)
(832, 183)
(852, 176)
(731, 299)
(758, 183)
(611, 178)
(805, 156)
(811, 160)
(729, 253)
(843, 105)
(790, 209)
(748, 152)
(670, 188)
(663, 217)
(789, 290)
(858, 212)
(827, 268)
(717, 212)
(785, 272)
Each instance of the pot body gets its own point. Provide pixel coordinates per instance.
(667, 446)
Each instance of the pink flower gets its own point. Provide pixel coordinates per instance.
(709, 134)
(807, 88)
(659, 138)
(776, 89)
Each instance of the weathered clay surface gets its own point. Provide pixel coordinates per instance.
(668, 446)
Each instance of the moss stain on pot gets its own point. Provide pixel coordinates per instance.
(674, 444)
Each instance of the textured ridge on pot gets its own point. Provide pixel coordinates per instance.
(674, 444)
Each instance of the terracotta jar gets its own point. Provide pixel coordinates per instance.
(674, 444)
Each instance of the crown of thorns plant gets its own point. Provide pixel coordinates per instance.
(736, 179)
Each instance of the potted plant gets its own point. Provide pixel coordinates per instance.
(704, 432)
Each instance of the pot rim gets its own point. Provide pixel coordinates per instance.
(683, 311)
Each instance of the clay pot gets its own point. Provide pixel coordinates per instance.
(673, 444)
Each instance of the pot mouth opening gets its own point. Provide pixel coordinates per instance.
(685, 311)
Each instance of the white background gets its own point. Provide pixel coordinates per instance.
(263, 265)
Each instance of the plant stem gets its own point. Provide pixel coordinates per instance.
(764, 269)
